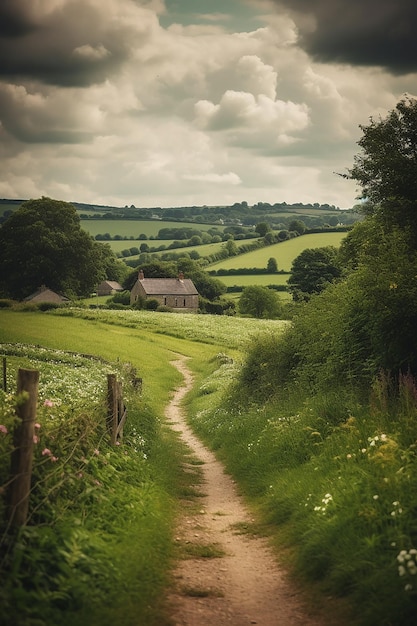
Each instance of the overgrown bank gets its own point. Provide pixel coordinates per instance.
(97, 547)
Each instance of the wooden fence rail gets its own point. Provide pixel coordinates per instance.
(23, 438)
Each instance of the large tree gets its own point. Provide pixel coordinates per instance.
(42, 243)
(312, 271)
(261, 302)
(207, 286)
(386, 167)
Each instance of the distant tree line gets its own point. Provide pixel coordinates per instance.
(209, 214)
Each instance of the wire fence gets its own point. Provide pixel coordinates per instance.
(18, 488)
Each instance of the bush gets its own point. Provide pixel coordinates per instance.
(260, 302)
(122, 297)
(48, 306)
(268, 367)
(151, 304)
(6, 304)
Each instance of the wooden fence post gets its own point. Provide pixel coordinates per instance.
(112, 407)
(4, 374)
(120, 407)
(22, 455)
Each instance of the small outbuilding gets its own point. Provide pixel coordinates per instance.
(108, 288)
(44, 294)
(179, 294)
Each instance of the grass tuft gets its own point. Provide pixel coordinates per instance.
(202, 551)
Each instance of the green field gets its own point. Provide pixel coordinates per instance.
(244, 280)
(284, 252)
(134, 228)
(125, 244)
(263, 280)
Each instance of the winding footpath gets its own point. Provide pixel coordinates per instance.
(243, 584)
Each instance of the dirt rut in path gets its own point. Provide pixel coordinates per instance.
(227, 578)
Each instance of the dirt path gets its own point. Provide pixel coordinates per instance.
(244, 585)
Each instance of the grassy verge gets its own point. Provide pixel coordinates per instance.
(333, 480)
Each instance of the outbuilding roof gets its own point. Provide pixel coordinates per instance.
(168, 286)
(113, 284)
(44, 294)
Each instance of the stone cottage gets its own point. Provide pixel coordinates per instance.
(179, 294)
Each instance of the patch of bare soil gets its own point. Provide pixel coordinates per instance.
(226, 577)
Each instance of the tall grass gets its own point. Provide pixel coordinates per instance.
(334, 478)
(97, 546)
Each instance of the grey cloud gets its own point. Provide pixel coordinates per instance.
(77, 44)
(358, 32)
(14, 20)
(29, 129)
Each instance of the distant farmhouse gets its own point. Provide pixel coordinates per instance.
(108, 288)
(44, 294)
(179, 293)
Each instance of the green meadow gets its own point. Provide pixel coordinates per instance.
(134, 228)
(284, 252)
(244, 280)
(203, 250)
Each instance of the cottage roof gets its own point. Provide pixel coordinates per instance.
(44, 294)
(168, 286)
(113, 284)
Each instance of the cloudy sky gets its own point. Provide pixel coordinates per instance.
(183, 102)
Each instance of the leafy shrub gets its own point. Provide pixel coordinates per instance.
(268, 366)
(122, 297)
(151, 304)
(48, 306)
(260, 302)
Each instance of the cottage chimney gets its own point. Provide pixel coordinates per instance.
(181, 276)
(141, 275)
